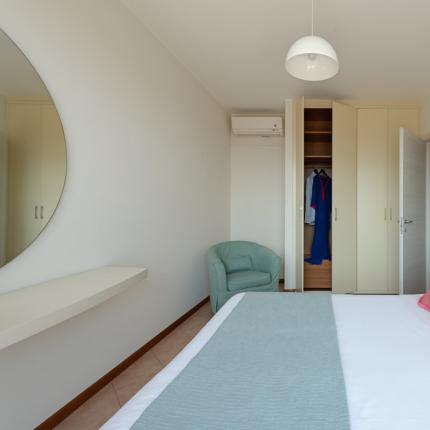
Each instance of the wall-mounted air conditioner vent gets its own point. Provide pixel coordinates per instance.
(257, 125)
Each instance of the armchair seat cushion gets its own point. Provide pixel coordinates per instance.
(247, 279)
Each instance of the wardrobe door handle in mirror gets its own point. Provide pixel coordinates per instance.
(35, 212)
(391, 214)
(335, 214)
(41, 212)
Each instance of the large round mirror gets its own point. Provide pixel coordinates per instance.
(32, 153)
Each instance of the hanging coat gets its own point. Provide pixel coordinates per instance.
(309, 210)
(321, 202)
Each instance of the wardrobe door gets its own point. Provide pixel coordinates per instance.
(372, 213)
(299, 126)
(407, 118)
(53, 161)
(344, 214)
(25, 157)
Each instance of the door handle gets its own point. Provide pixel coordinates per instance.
(35, 212)
(41, 212)
(335, 214)
(408, 221)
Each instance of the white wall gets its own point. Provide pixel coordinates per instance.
(147, 185)
(257, 196)
(425, 121)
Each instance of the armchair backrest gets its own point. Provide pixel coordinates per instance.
(258, 254)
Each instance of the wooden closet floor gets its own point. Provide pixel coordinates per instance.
(317, 276)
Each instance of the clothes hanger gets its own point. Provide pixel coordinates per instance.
(323, 172)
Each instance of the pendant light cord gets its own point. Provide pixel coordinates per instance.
(312, 2)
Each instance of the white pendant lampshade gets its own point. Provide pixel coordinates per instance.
(312, 58)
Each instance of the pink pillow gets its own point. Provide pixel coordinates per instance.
(424, 301)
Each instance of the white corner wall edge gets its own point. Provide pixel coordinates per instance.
(30, 310)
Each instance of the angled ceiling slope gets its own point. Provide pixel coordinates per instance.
(236, 49)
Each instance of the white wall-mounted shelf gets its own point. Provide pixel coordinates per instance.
(28, 311)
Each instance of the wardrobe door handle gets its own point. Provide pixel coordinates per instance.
(41, 212)
(385, 214)
(335, 214)
(391, 214)
(35, 212)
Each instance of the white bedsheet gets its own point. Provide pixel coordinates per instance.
(384, 344)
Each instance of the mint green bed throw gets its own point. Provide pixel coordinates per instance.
(273, 364)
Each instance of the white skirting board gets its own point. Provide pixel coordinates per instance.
(28, 311)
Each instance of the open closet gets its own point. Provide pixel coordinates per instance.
(317, 167)
(356, 145)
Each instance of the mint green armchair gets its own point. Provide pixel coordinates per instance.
(238, 266)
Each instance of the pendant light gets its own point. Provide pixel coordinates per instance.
(312, 58)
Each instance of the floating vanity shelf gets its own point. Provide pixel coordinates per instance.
(28, 311)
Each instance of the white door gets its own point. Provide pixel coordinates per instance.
(412, 201)
(398, 117)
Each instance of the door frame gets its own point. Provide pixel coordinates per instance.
(401, 139)
(293, 146)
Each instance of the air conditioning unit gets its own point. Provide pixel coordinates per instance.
(256, 125)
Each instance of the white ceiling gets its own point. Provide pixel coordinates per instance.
(236, 48)
(17, 76)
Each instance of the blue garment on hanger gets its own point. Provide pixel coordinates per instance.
(321, 202)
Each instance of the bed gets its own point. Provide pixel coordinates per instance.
(381, 380)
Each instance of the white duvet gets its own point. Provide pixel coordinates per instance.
(384, 345)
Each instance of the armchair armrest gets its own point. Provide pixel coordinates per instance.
(217, 278)
(269, 262)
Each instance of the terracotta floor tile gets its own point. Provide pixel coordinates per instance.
(94, 412)
(194, 324)
(129, 382)
(97, 410)
(171, 345)
(205, 310)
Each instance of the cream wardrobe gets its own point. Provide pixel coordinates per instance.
(364, 163)
(36, 154)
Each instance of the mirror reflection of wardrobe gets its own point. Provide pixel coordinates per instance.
(36, 169)
(32, 153)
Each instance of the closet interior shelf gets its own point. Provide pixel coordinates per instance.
(318, 160)
(318, 156)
